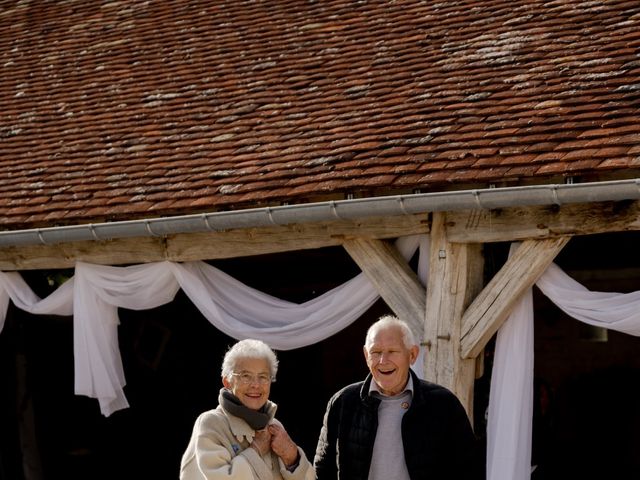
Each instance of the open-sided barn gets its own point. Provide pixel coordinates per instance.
(291, 145)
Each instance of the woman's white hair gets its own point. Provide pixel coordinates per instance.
(390, 321)
(249, 348)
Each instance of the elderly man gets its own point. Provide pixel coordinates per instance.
(393, 425)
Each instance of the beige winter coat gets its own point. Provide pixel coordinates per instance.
(219, 449)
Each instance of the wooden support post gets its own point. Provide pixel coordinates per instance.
(455, 277)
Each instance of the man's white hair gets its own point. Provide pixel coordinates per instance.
(390, 321)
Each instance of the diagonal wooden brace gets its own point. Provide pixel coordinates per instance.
(495, 303)
(392, 277)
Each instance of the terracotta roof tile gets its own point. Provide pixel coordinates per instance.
(523, 171)
(578, 154)
(552, 168)
(616, 162)
(611, 152)
(117, 110)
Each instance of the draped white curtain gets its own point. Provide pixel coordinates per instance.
(511, 397)
(95, 293)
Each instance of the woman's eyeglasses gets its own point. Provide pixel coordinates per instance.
(249, 378)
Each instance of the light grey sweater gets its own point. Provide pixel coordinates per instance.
(388, 452)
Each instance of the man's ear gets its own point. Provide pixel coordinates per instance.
(226, 383)
(413, 354)
(366, 354)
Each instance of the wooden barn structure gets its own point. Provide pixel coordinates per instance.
(140, 132)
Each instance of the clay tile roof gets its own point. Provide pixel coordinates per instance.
(116, 110)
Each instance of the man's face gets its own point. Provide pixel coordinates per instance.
(389, 360)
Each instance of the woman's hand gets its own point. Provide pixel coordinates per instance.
(262, 441)
(282, 445)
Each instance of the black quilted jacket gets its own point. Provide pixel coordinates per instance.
(437, 436)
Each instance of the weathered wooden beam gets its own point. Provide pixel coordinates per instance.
(551, 221)
(491, 308)
(390, 273)
(210, 245)
(455, 277)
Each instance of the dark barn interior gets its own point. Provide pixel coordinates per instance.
(172, 357)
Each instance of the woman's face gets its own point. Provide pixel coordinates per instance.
(248, 382)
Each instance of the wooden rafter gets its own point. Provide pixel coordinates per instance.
(208, 246)
(522, 223)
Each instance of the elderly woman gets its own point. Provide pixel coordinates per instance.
(241, 439)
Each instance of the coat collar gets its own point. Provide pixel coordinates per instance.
(366, 387)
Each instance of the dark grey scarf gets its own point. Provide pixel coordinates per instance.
(257, 419)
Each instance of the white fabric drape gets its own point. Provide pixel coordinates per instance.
(511, 397)
(97, 291)
(13, 287)
(615, 311)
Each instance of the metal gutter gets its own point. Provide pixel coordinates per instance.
(490, 198)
